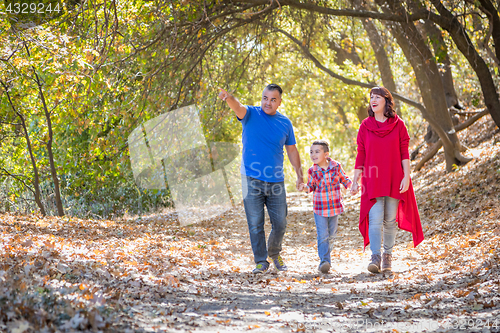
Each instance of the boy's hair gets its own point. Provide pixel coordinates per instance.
(274, 86)
(326, 146)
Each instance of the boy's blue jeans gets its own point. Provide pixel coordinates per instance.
(382, 219)
(326, 229)
(256, 194)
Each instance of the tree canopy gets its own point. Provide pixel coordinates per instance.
(76, 84)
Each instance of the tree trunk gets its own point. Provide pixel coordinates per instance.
(342, 114)
(53, 171)
(489, 9)
(342, 55)
(457, 32)
(362, 113)
(36, 179)
(430, 85)
(441, 52)
(384, 65)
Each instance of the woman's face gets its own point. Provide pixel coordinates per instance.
(377, 103)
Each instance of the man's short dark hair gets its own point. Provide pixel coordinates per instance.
(323, 143)
(274, 86)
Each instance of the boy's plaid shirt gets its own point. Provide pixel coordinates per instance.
(327, 199)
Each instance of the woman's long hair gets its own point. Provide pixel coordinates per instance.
(389, 102)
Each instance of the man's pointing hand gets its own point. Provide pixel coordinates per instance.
(223, 94)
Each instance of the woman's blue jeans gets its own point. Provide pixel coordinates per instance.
(326, 229)
(382, 220)
(256, 195)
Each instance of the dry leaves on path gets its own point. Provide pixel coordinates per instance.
(151, 275)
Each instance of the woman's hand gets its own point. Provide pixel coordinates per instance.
(405, 184)
(354, 188)
(355, 185)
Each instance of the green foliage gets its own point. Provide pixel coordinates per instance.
(108, 67)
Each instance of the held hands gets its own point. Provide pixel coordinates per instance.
(299, 185)
(354, 188)
(405, 184)
(303, 188)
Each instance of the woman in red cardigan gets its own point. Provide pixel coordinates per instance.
(387, 198)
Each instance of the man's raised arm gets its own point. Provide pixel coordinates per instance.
(239, 109)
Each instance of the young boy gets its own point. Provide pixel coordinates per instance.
(325, 177)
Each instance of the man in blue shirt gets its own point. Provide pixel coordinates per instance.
(265, 132)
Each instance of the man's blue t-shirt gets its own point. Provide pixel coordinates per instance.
(263, 139)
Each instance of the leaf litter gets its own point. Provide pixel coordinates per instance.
(150, 274)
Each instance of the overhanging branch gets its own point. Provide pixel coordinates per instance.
(345, 80)
(433, 151)
(417, 15)
(18, 178)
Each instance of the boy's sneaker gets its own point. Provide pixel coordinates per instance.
(374, 265)
(260, 268)
(280, 264)
(324, 267)
(386, 262)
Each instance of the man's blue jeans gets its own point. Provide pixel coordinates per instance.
(326, 229)
(256, 194)
(382, 219)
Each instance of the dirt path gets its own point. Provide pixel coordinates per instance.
(220, 298)
(152, 275)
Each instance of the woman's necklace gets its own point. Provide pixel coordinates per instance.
(378, 121)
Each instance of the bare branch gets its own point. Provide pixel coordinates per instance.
(19, 47)
(36, 178)
(471, 120)
(18, 178)
(439, 143)
(417, 15)
(318, 64)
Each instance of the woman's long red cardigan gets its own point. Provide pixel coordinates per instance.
(381, 149)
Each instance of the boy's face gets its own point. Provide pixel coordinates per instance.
(318, 154)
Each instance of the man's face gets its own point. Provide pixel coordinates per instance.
(271, 100)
